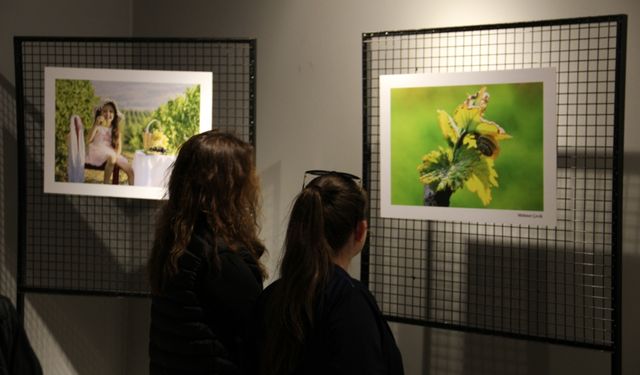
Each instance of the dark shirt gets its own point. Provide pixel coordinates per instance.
(350, 336)
(16, 354)
(199, 322)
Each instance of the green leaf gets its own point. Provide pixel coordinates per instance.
(473, 146)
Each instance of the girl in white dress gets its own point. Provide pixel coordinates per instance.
(104, 145)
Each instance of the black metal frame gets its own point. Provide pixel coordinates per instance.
(382, 229)
(59, 264)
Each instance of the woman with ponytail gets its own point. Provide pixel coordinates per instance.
(204, 268)
(316, 319)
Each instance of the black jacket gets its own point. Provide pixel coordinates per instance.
(349, 337)
(198, 324)
(16, 355)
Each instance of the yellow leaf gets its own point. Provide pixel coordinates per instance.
(470, 141)
(481, 181)
(493, 174)
(448, 152)
(427, 179)
(466, 117)
(487, 127)
(448, 126)
(475, 185)
(430, 158)
(480, 99)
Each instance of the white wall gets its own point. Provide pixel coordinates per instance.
(70, 334)
(309, 116)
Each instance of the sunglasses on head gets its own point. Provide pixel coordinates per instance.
(313, 173)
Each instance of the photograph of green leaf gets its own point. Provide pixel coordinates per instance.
(468, 146)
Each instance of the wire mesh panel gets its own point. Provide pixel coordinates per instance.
(555, 284)
(99, 245)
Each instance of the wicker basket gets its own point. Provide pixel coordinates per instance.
(147, 139)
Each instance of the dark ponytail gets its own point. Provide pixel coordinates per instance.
(308, 266)
(323, 217)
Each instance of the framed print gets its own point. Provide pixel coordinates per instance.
(113, 132)
(474, 147)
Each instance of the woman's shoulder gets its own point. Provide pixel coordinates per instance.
(345, 292)
(268, 291)
(268, 297)
(340, 289)
(341, 283)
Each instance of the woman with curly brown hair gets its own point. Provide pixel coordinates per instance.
(204, 268)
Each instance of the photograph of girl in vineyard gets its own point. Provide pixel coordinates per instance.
(117, 132)
(104, 144)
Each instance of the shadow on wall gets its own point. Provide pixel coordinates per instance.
(511, 288)
(631, 205)
(456, 352)
(631, 264)
(521, 281)
(78, 334)
(75, 244)
(505, 293)
(558, 291)
(541, 292)
(8, 189)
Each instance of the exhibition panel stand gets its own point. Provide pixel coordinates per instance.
(85, 242)
(447, 247)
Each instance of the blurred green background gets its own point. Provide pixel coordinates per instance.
(517, 107)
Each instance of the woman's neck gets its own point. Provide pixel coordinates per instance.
(344, 255)
(342, 261)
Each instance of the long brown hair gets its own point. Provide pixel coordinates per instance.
(213, 177)
(323, 217)
(116, 124)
